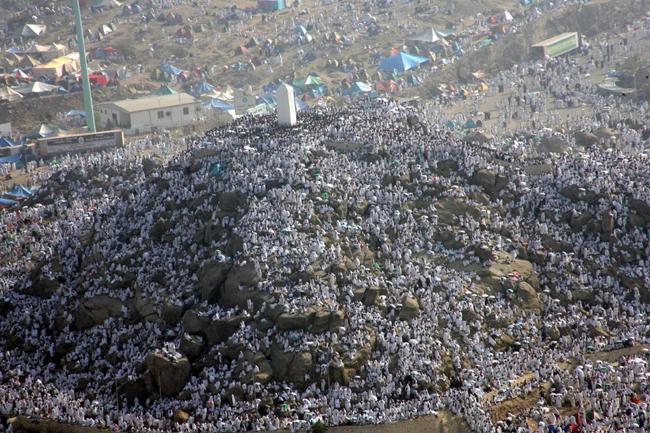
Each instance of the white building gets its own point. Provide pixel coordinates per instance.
(149, 114)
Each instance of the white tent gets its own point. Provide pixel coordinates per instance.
(9, 94)
(35, 87)
(505, 17)
(48, 131)
(33, 30)
(104, 29)
(429, 35)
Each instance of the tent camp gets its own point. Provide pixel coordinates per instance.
(401, 62)
(33, 30)
(36, 88)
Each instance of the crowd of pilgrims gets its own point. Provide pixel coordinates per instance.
(384, 170)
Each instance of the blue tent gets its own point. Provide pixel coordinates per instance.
(4, 203)
(470, 124)
(202, 88)
(20, 191)
(218, 104)
(401, 62)
(5, 142)
(170, 69)
(9, 159)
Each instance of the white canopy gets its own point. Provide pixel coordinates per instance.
(429, 35)
(33, 30)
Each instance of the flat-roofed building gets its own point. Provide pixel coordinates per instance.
(149, 114)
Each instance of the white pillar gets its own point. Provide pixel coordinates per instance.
(286, 106)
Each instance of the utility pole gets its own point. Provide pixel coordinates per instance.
(85, 82)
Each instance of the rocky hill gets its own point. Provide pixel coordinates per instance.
(360, 258)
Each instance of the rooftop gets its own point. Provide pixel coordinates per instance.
(554, 39)
(152, 102)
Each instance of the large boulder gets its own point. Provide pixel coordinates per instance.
(93, 311)
(168, 375)
(220, 330)
(191, 345)
(410, 308)
(553, 144)
(212, 275)
(294, 321)
(240, 280)
(42, 287)
(132, 389)
(489, 180)
(280, 361)
(232, 201)
(529, 300)
(300, 367)
(194, 323)
(580, 221)
(171, 313)
(585, 139)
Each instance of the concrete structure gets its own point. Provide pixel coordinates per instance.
(153, 113)
(286, 106)
(556, 46)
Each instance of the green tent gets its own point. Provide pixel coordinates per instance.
(164, 90)
(309, 81)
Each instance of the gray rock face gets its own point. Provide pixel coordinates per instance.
(585, 139)
(42, 287)
(240, 280)
(528, 297)
(553, 144)
(193, 323)
(220, 330)
(167, 376)
(293, 321)
(489, 180)
(192, 345)
(95, 310)
(212, 276)
(290, 366)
